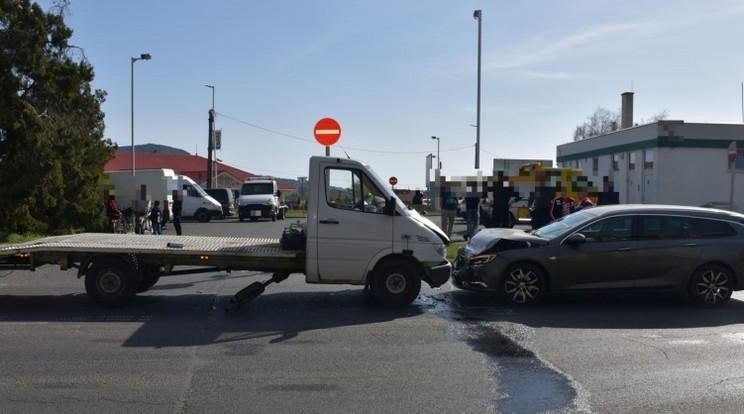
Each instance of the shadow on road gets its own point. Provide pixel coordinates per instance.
(201, 319)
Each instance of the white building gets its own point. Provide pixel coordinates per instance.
(666, 162)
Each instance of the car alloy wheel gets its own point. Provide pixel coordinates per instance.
(523, 284)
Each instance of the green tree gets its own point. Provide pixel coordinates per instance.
(52, 148)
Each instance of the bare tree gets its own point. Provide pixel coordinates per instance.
(602, 121)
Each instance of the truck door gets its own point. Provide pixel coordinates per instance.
(352, 227)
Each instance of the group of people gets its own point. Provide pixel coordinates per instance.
(543, 213)
(158, 218)
(543, 209)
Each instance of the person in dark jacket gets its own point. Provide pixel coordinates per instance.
(176, 210)
(155, 217)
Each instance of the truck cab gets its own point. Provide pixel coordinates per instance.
(259, 198)
(359, 233)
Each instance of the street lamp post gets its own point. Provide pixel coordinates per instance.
(210, 144)
(477, 15)
(439, 160)
(144, 56)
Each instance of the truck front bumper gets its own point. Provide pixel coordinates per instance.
(439, 274)
(255, 210)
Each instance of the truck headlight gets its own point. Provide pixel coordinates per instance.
(441, 249)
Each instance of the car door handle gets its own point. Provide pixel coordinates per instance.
(624, 249)
(689, 245)
(328, 221)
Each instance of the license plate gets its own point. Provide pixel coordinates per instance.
(255, 213)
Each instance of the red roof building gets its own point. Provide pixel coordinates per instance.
(192, 166)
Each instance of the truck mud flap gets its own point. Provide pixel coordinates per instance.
(252, 291)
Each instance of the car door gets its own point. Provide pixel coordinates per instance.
(607, 260)
(667, 253)
(352, 225)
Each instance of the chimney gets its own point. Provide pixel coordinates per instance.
(626, 117)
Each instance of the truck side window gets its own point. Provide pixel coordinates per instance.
(191, 191)
(353, 190)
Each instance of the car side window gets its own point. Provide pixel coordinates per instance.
(662, 227)
(707, 228)
(350, 189)
(609, 229)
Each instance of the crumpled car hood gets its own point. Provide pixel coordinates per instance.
(486, 239)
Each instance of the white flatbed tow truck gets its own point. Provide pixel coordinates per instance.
(356, 233)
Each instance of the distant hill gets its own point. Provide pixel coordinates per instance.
(154, 148)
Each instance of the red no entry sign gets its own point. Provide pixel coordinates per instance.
(327, 131)
(393, 180)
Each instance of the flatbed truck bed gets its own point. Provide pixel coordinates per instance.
(117, 266)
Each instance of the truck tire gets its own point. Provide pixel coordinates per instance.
(240, 218)
(111, 282)
(395, 284)
(202, 215)
(150, 277)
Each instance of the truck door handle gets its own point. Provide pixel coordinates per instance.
(328, 221)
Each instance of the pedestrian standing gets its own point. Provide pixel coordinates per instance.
(449, 211)
(166, 215)
(472, 214)
(176, 210)
(155, 217)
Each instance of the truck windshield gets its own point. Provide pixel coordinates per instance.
(256, 188)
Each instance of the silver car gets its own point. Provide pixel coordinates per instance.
(618, 248)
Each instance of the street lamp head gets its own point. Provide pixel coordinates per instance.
(145, 56)
(433, 137)
(477, 15)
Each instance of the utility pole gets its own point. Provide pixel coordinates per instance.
(210, 144)
(210, 148)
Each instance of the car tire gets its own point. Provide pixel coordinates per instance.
(240, 218)
(395, 284)
(523, 284)
(711, 285)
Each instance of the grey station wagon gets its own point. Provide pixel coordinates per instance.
(623, 248)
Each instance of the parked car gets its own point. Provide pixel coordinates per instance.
(225, 197)
(618, 248)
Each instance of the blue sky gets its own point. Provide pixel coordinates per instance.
(395, 73)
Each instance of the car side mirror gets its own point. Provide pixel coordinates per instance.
(575, 239)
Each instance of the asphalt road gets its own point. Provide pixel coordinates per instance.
(321, 349)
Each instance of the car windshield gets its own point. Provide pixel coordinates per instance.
(256, 188)
(560, 226)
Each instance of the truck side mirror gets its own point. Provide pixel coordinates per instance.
(389, 206)
(278, 193)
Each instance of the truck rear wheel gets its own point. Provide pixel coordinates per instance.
(395, 283)
(111, 282)
(150, 277)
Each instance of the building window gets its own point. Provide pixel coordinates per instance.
(648, 159)
(616, 162)
(595, 166)
(631, 160)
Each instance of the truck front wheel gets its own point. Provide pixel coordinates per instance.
(202, 216)
(395, 283)
(111, 282)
